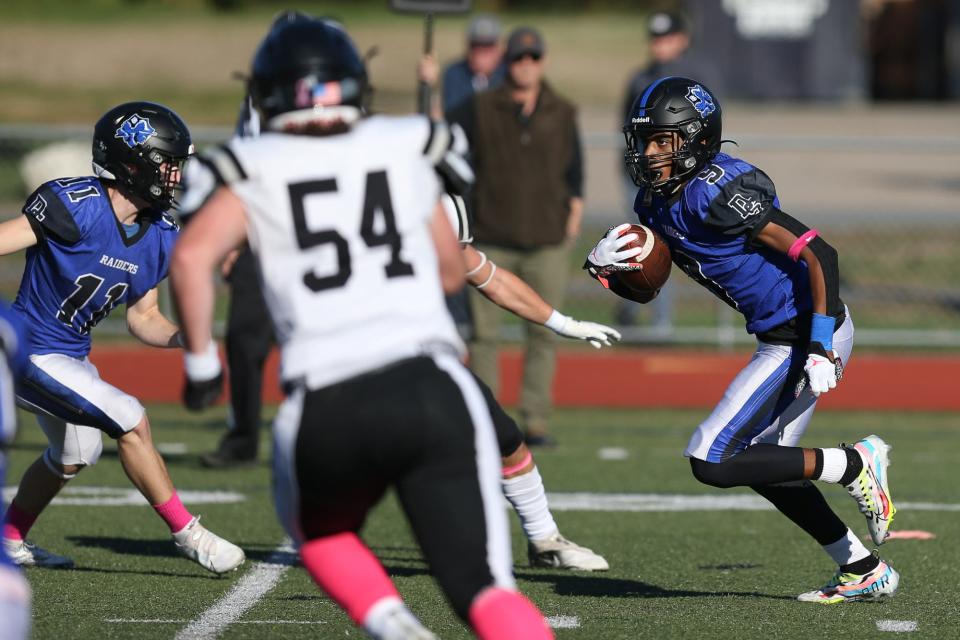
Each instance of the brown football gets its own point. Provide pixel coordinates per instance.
(655, 260)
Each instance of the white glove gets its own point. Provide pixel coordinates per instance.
(822, 373)
(609, 253)
(596, 334)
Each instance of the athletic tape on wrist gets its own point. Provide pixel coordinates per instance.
(821, 330)
(794, 252)
(476, 270)
(493, 270)
(202, 366)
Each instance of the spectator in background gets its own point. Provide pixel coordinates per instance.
(528, 209)
(480, 69)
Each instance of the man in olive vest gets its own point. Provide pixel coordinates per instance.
(528, 207)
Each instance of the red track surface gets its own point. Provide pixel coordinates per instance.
(615, 378)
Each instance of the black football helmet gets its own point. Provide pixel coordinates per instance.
(142, 147)
(307, 69)
(680, 106)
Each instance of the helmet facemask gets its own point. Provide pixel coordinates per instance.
(690, 153)
(160, 186)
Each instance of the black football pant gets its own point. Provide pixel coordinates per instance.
(421, 426)
(248, 342)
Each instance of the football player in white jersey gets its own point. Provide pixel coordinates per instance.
(342, 213)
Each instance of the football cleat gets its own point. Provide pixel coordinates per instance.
(559, 553)
(870, 488)
(206, 548)
(850, 587)
(27, 554)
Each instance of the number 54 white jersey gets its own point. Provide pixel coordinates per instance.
(340, 225)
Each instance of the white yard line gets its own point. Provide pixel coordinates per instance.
(258, 581)
(613, 453)
(897, 626)
(563, 622)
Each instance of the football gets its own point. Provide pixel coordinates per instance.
(654, 259)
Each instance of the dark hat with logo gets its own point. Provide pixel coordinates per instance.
(662, 23)
(523, 41)
(483, 30)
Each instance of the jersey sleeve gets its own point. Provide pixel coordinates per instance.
(743, 204)
(446, 150)
(199, 184)
(50, 218)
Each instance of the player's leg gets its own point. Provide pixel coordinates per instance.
(546, 270)
(323, 487)
(523, 488)
(452, 499)
(71, 389)
(70, 449)
(248, 341)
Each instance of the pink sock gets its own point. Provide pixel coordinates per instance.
(348, 571)
(174, 513)
(503, 615)
(17, 523)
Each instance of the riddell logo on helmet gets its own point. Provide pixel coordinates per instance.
(640, 119)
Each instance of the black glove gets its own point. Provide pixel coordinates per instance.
(200, 394)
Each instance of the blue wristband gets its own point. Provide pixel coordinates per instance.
(821, 330)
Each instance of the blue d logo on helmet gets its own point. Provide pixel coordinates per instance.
(701, 100)
(135, 130)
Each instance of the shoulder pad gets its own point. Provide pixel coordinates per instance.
(199, 183)
(446, 150)
(225, 165)
(50, 217)
(742, 203)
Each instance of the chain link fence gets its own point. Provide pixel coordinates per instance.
(900, 274)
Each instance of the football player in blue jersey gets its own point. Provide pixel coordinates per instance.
(14, 590)
(725, 228)
(93, 243)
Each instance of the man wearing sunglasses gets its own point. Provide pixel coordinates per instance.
(528, 206)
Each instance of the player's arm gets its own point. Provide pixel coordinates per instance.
(147, 323)
(16, 235)
(789, 236)
(449, 255)
(506, 290)
(215, 230)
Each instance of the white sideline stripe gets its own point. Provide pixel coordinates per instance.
(613, 453)
(583, 501)
(258, 581)
(159, 621)
(563, 622)
(127, 497)
(897, 626)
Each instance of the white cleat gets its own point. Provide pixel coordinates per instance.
(558, 552)
(871, 487)
(206, 548)
(27, 554)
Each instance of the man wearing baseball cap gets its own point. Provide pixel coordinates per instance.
(528, 205)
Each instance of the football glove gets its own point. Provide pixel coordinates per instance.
(820, 371)
(200, 394)
(607, 257)
(204, 382)
(596, 334)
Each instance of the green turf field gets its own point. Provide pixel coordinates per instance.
(693, 574)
